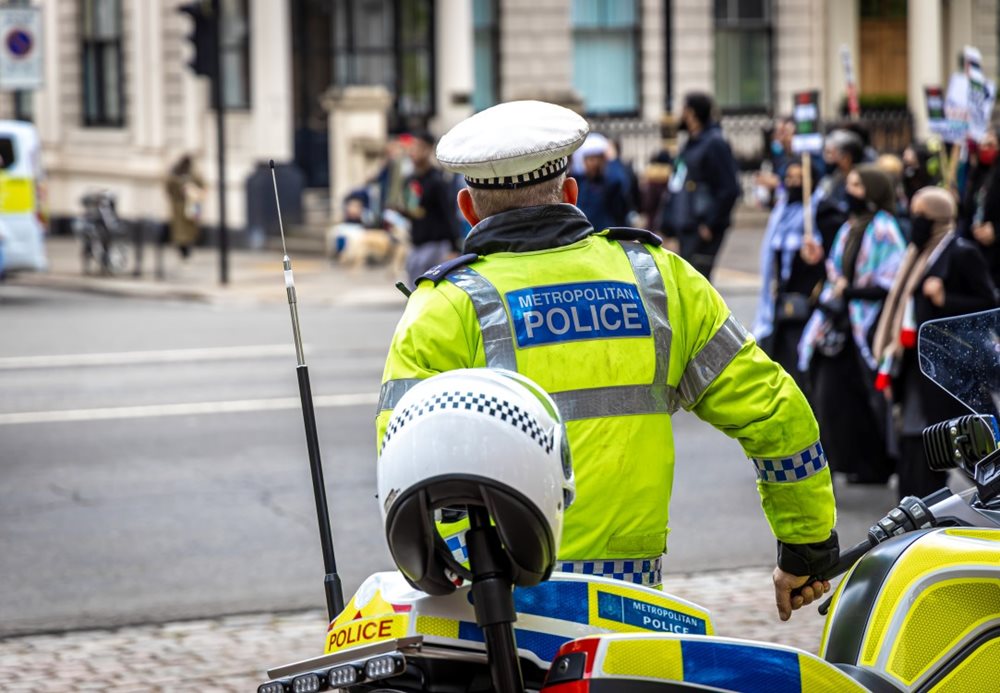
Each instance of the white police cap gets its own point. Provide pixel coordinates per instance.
(513, 145)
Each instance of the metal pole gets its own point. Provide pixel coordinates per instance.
(331, 583)
(220, 128)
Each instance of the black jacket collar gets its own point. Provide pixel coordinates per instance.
(529, 228)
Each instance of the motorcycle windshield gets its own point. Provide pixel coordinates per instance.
(962, 355)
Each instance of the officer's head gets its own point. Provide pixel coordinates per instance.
(513, 155)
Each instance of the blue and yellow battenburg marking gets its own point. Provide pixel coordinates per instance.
(549, 615)
(569, 312)
(718, 663)
(596, 607)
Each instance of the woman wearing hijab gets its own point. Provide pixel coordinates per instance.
(941, 276)
(835, 350)
(790, 285)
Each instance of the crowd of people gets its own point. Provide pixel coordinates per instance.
(886, 244)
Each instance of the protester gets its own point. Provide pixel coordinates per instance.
(390, 182)
(842, 151)
(789, 284)
(430, 207)
(917, 169)
(941, 276)
(835, 349)
(768, 179)
(186, 192)
(604, 197)
(703, 189)
(982, 212)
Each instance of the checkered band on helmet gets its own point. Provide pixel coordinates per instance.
(489, 405)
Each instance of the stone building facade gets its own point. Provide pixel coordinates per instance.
(119, 104)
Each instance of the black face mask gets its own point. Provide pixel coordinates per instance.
(856, 205)
(921, 229)
(794, 193)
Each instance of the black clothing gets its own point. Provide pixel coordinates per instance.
(783, 343)
(851, 414)
(968, 288)
(709, 175)
(982, 204)
(529, 228)
(430, 206)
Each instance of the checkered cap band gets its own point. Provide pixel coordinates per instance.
(489, 405)
(794, 468)
(648, 571)
(546, 172)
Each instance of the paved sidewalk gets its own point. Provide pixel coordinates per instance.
(256, 276)
(233, 653)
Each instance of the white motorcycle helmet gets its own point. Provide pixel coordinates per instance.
(479, 437)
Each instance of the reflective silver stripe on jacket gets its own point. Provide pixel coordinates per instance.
(498, 342)
(713, 358)
(620, 400)
(393, 391)
(654, 297)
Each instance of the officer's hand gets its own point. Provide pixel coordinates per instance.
(784, 583)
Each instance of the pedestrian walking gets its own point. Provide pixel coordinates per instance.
(603, 186)
(789, 284)
(186, 193)
(941, 276)
(835, 348)
(622, 333)
(703, 189)
(430, 207)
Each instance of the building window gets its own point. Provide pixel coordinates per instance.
(486, 40)
(235, 50)
(101, 53)
(743, 54)
(388, 42)
(606, 55)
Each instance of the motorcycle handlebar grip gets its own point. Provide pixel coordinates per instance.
(847, 559)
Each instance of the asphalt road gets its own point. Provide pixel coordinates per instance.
(153, 466)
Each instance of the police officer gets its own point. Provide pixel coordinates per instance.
(622, 333)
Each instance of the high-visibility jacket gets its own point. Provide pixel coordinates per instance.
(621, 333)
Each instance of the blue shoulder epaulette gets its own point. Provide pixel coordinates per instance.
(439, 272)
(627, 233)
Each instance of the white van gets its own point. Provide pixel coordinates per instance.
(22, 204)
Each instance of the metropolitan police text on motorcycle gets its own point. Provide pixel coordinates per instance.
(567, 312)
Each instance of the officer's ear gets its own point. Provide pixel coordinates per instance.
(571, 191)
(466, 207)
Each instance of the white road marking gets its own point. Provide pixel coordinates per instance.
(186, 409)
(133, 357)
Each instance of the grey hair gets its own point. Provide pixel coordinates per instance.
(487, 201)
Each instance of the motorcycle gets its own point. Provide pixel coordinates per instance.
(918, 609)
(102, 238)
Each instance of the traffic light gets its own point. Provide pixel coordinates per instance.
(204, 41)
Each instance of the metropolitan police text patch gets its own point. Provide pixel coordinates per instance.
(587, 310)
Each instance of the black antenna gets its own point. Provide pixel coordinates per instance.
(331, 583)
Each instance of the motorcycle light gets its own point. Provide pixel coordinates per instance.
(343, 676)
(385, 666)
(307, 683)
(271, 687)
